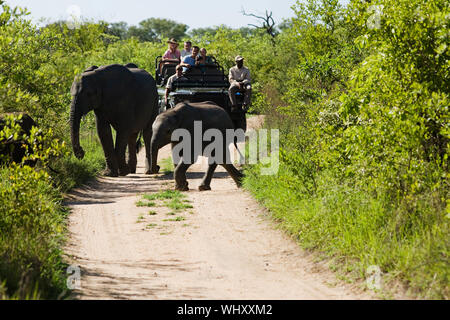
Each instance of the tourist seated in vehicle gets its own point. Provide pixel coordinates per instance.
(189, 61)
(239, 77)
(203, 59)
(187, 51)
(172, 54)
(169, 86)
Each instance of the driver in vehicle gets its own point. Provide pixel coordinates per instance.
(239, 78)
(177, 76)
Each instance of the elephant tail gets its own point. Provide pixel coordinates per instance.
(139, 142)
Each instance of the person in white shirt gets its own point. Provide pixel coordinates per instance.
(187, 51)
(239, 78)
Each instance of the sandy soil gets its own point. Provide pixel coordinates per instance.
(225, 247)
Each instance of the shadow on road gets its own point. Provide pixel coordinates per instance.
(132, 287)
(102, 189)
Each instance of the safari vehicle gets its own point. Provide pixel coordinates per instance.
(203, 83)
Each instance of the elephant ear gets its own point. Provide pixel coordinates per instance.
(77, 80)
(91, 82)
(95, 83)
(117, 83)
(75, 83)
(91, 68)
(131, 65)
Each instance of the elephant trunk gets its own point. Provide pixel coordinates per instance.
(75, 119)
(154, 168)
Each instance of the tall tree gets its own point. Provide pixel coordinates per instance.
(201, 32)
(211, 31)
(118, 29)
(160, 29)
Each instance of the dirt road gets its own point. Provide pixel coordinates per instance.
(225, 247)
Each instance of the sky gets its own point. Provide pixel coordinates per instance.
(195, 14)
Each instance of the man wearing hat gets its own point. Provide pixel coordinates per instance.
(239, 78)
(172, 53)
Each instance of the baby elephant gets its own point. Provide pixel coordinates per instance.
(196, 119)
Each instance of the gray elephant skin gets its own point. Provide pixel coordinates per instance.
(16, 149)
(122, 97)
(183, 116)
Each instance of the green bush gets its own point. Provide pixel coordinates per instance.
(31, 234)
(396, 109)
(31, 219)
(72, 172)
(364, 136)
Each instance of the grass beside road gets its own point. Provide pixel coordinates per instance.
(74, 172)
(356, 230)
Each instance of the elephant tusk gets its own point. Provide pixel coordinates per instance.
(10, 139)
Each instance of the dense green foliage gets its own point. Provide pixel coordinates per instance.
(360, 95)
(364, 139)
(38, 66)
(152, 29)
(159, 30)
(31, 219)
(31, 229)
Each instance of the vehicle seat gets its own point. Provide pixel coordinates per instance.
(212, 74)
(194, 74)
(167, 70)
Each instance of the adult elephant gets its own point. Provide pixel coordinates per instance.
(184, 116)
(12, 149)
(124, 97)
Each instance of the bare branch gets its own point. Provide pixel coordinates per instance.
(268, 22)
(252, 15)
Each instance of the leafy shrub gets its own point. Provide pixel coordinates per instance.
(364, 139)
(31, 219)
(31, 233)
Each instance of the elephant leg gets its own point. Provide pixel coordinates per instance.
(234, 173)
(105, 135)
(181, 183)
(120, 148)
(132, 160)
(205, 185)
